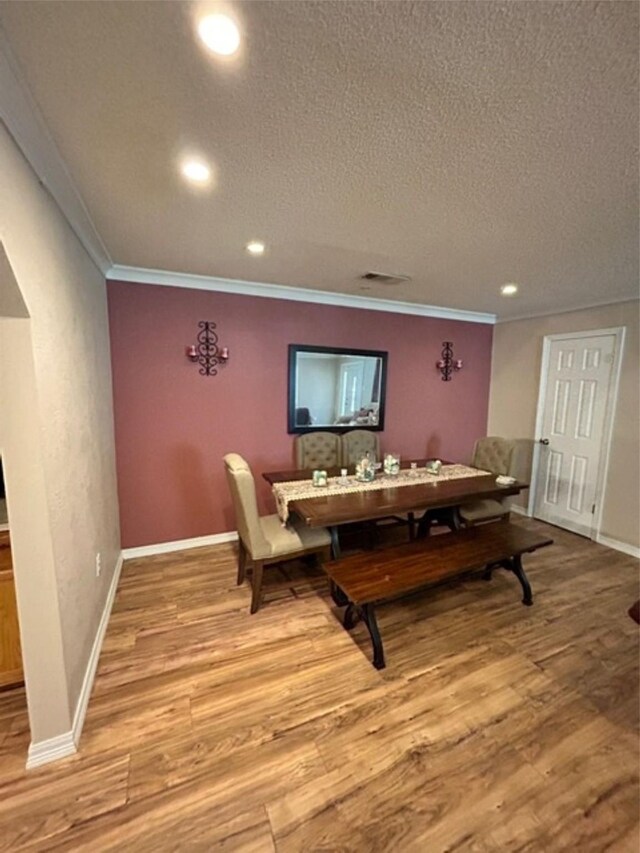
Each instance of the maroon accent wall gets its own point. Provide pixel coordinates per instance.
(173, 425)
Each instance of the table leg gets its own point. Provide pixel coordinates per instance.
(338, 596)
(335, 543)
(411, 520)
(444, 515)
(369, 617)
(516, 568)
(455, 522)
(424, 526)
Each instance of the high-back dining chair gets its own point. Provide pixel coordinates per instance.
(263, 540)
(356, 443)
(303, 416)
(318, 450)
(498, 455)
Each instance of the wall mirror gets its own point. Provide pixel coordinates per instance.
(336, 389)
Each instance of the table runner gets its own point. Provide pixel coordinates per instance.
(299, 490)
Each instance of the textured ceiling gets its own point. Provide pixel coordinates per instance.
(463, 144)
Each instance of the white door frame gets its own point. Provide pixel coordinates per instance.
(619, 333)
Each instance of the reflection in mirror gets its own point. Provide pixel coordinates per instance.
(335, 388)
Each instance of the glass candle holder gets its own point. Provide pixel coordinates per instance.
(433, 466)
(392, 464)
(320, 478)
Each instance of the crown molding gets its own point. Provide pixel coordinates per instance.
(556, 312)
(163, 278)
(25, 123)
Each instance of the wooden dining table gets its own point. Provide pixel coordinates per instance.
(432, 498)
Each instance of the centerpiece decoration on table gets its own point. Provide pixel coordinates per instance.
(392, 464)
(365, 469)
(433, 466)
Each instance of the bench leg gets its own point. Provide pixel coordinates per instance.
(501, 564)
(337, 594)
(351, 615)
(516, 568)
(369, 617)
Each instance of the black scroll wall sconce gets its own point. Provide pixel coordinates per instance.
(206, 352)
(447, 364)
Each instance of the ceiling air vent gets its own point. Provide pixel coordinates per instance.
(385, 277)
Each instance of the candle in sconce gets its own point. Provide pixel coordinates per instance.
(458, 364)
(224, 353)
(192, 352)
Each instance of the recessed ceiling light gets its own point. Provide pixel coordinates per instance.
(196, 171)
(220, 34)
(255, 247)
(509, 289)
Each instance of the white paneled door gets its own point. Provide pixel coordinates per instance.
(579, 376)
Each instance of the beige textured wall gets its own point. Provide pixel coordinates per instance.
(11, 301)
(50, 712)
(515, 376)
(71, 408)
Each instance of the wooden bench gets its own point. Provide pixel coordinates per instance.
(363, 580)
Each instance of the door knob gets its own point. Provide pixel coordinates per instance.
(544, 441)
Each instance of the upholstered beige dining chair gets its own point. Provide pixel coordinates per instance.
(263, 541)
(356, 443)
(500, 456)
(318, 450)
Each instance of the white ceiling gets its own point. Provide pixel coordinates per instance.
(463, 144)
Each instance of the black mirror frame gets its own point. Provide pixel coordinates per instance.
(294, 349)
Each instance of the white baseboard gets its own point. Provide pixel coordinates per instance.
(179, 545)
(92, 663)
(52, 749)
(631, 550)
(66, 744)
(519, 510)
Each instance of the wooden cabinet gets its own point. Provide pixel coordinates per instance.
(10, 652)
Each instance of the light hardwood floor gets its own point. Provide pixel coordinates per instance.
(494, 727)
